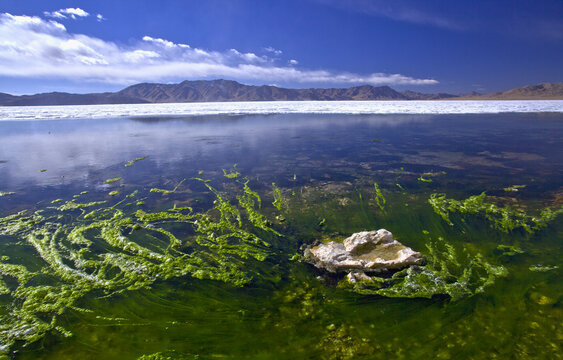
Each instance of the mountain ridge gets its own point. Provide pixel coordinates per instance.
(543, 91)
(232, 91)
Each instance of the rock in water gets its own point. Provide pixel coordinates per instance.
(369, 251)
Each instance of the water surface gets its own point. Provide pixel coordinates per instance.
(325, 167)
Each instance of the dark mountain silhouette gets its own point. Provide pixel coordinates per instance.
(60, 98)
(228, 90)
(412, 95)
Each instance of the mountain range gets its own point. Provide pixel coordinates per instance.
(228, 90)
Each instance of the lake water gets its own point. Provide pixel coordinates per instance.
(122, 269)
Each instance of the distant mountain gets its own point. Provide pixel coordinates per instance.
(6, 98)
(228, 90)
(60, 98)
(412, 95)
(545, 91)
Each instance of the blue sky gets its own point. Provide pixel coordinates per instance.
(427, 46)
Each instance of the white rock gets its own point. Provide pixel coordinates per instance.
(356, 276)
(364, 241)
(372, 251)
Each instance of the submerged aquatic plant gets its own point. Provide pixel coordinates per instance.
(379, 198)
(447, 271)
(509, 250)
(504, 219)
(424, 180)
(131, 162)
(542, 268)
(279, 202)
(514, 188)
(105, 250)
(231, 174)
(167, 192)
(112, 180)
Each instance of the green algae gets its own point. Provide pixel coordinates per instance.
(514, 188)
(131, 162)
(542, 268)
(447, 271)
(279, 202)
(424, 180)
(231, 174)
(170, 355)
(112, 180)
(167, 192)
(71, 205)
(113, 193)
(103, 252)
(509, 250)
(379, 198)
(504, 219)
(433, 174)
(342, 343)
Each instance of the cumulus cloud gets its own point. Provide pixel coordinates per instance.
(293, 62)
(73, 13)
(33, 47)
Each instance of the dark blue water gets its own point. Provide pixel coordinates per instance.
(79, 153)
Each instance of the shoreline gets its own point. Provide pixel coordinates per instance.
(355, 107)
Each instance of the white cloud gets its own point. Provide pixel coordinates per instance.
(159, 41)
(249, 57)
(293, 62)
(272, 50)
(100, 18)
(411, 11)
(68, 12)
(32, 47)
(137, 56)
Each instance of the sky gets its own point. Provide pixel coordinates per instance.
(427, 46)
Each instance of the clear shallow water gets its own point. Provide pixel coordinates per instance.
(325, 166)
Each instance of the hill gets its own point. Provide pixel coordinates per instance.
(544, 91)
(228, 90)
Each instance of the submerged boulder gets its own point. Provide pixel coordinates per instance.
(369, 251)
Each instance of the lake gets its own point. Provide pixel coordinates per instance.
(166, 233)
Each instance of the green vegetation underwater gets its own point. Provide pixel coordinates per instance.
(183, 238)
